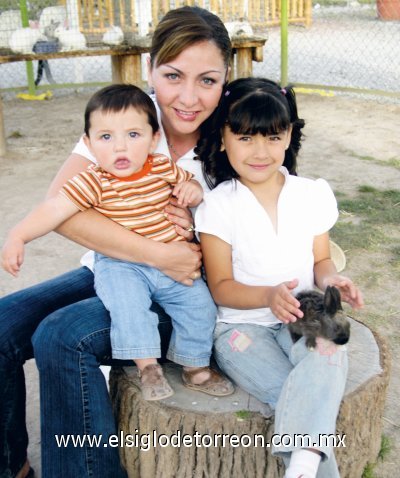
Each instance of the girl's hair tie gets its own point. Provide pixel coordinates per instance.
(227, 93)
(283, 91)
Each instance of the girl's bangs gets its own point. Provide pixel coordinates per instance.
(258, 113)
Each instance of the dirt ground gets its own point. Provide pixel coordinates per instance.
(341, 134)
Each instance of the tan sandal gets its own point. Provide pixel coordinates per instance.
(216, 384)
(153, 384)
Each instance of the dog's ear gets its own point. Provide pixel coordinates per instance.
(332, 302)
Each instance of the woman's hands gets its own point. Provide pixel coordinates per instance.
(184, 257)
(181, 217)
(181, 261)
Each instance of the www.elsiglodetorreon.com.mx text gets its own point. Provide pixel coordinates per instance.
(145, 441)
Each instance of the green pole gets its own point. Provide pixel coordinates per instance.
(29, 67)
(284, 42)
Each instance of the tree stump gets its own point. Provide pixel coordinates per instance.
(164, 434)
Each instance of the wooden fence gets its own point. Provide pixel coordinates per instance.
(138, 16)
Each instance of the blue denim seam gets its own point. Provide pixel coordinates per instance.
(284, 451)
(89, 337)
(85, 395)
(185, 360)
(137, 353)
(4, 426)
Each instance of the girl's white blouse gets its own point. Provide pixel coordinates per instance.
(261, 256)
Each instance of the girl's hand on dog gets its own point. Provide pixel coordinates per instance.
(283, 304)
(349, 292)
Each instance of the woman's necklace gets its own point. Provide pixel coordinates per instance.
(173, 150)
(185, 146)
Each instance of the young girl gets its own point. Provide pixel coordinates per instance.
(264, 237)
(132, 186)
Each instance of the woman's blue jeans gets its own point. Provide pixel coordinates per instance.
(66, 328)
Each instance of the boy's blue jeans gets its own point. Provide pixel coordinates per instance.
(304, 387)
(127, 290)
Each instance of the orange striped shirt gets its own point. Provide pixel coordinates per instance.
(136, 202)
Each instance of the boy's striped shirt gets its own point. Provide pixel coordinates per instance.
(136, 202)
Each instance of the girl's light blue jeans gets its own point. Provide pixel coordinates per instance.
(304, 387)
(127, 290)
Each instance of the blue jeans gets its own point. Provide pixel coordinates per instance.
(127, 291)
(70, 332)
(304, 387)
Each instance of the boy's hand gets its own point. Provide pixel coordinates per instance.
(12, 255)
(188, 193)
(283, 304)
(349, 292)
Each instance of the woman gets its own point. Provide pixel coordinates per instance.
(63, 319)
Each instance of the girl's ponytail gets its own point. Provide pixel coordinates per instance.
(297, 125)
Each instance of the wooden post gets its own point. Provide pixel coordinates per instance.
(127, 69)
(155, 10)
(247, 49)
(132, 22)
(215, 7)
(110, 12)
(102, 25)
(244, 66)
(122, 13)
(258, 54)
(308, 12)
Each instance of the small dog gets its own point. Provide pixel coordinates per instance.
(323, 317)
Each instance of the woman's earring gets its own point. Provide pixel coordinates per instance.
(222, 147)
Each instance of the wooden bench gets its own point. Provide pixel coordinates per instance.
(241, 415)
(127, 66)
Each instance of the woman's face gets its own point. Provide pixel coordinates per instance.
(188, 88)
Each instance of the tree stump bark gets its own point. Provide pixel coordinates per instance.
(361, 411)
(157, 428)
